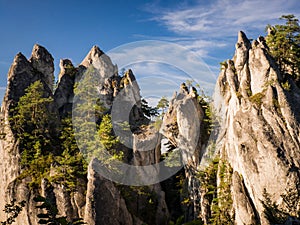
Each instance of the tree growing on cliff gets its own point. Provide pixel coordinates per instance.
(284, 43)
(71, 166)
(32, 122)
(162, 105)
(148, 110)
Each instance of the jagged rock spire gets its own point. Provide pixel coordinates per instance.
(242, 47)
(101, 62)
(19, 65)
(23, 72)
(42, 61)
(94, 54)
(260, 131)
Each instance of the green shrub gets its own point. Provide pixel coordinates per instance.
(286, 86)
(257, 99)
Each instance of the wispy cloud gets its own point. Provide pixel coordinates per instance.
(221, 18)
(162, 66)
(209, 28)
(167, 60)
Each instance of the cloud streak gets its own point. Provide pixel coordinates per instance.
(221, 18)
(209, 28)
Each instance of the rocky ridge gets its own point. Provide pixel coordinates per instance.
(259, 129)
(87, 204)
(257, 142)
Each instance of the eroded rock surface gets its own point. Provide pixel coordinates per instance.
(260, 128)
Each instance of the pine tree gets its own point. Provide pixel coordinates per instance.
(87, 111)
(71, 165)
(163, 104)
(31, 121)
(148, 110)
(109, 142)
(284, 43)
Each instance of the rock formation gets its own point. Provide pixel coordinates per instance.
(182, 127)
(92, 203)
(22, 73)
(259, 129)
(256, 147)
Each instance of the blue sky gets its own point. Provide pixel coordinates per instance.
(68, 29)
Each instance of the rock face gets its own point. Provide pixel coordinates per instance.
(260, 134)
(258, 141)
(94, 203)
(100, 192)
(179, 124)
(182, 127)
(22, 73)
(42, 61)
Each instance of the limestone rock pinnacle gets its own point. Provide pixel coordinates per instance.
(260, 131)
(42, 61)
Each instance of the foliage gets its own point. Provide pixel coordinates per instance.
(195, 222)
(173, 158)
(179, 221)
(108, 140)
(105, 132)
(70, 70)
(157, 124)
(141, 201)
(71, 164)
(208, 179)
(148, 110)
(284, 43)
(50, 217)
(189, 83)
(39, 146)
(38, 168)
(13, 210)
(218, 195)
(291, 200)
(30, 119)
(286, 85)
(207, 124)
(32, 122)
(222, 205)
(162, 105)
(87, 111)
(257, 99)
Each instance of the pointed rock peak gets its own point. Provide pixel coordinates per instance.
(242, 39)
(184, 89)
(20, 61)
(42, 61)
(129, 74)
(96, 50)
(93, 55)
(129, 71)
(20, 64)
(41, 53)
(193, 92)
(20, 58)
